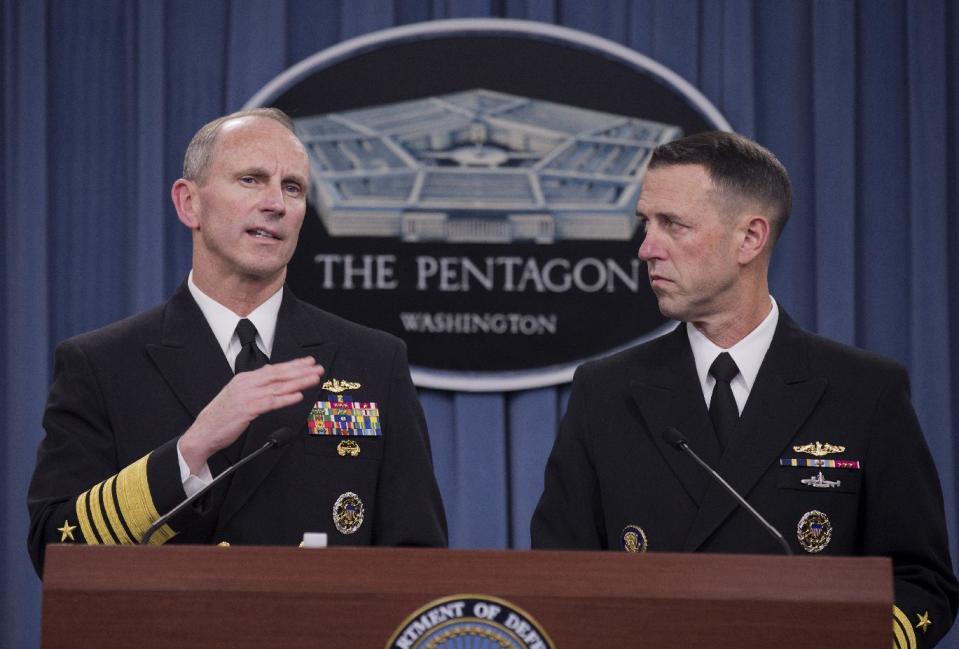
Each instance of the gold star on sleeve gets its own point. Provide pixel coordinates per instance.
(66, 532)
(924, 622)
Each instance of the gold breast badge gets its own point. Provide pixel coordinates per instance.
(819, 449)
(337, 386)
(348, 447)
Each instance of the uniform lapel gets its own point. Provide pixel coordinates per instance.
(296, 336)
(188, 356)
(668, 394)
(780, 401)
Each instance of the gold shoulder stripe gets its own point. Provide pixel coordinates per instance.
(135, 503)
(902, 629)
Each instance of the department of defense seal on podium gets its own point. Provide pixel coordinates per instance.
(475, 621)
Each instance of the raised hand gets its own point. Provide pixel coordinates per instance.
(247, 396)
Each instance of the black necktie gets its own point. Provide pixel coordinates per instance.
(250, 356)
(722, 405)
(249, 359)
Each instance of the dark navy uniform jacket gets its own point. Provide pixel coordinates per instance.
(611, 468)
(122, 395)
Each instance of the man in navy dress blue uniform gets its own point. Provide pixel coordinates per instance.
(149, 409)
(819, 437)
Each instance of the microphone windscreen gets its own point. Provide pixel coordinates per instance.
(282, 436)
(673, 437)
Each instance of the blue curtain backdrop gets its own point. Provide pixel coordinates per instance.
(859, 99)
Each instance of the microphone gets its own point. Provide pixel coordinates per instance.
(277, 439)
(675, 439)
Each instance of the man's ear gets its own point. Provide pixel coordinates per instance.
(186, 200)
(755, 239)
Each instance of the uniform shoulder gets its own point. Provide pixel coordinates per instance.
(831, 353)
(137, 328)
(622, 361)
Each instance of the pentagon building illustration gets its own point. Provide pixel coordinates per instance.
(479, 167)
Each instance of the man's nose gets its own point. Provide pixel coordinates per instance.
(648, 249)
(271, 200)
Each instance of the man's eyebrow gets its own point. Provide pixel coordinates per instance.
(664, 215)
(259, 172)
(297, 178)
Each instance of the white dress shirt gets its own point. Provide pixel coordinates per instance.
(223, 323)
(748, 354)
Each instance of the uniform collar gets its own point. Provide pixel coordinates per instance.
(223, 321)
(748, 352)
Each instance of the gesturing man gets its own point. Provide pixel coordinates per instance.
(149, 409)
(820, 437)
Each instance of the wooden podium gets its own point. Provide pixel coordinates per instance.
(257, 597)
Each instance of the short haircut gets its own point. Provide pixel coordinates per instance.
(738, 167)
(199, 153)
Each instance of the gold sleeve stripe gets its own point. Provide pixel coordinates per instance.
(110, 507)
(96, 535)
(898, 637)
(901, 625)
(107, 530)
(136, 504)
(99, 522)
(123, 524)
(120, 509)
(84, 520)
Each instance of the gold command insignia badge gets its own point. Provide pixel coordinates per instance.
(337, 386)
(348, 513)
(634, 539)
(348, 447)
(814, 531)
(819, 449)
(923, 622)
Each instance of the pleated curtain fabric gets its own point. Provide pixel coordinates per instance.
(859, 99)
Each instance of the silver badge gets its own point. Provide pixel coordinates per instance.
(820, 482)
(814, 531)
(348, 513)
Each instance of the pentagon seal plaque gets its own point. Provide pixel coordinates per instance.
(483, 213)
